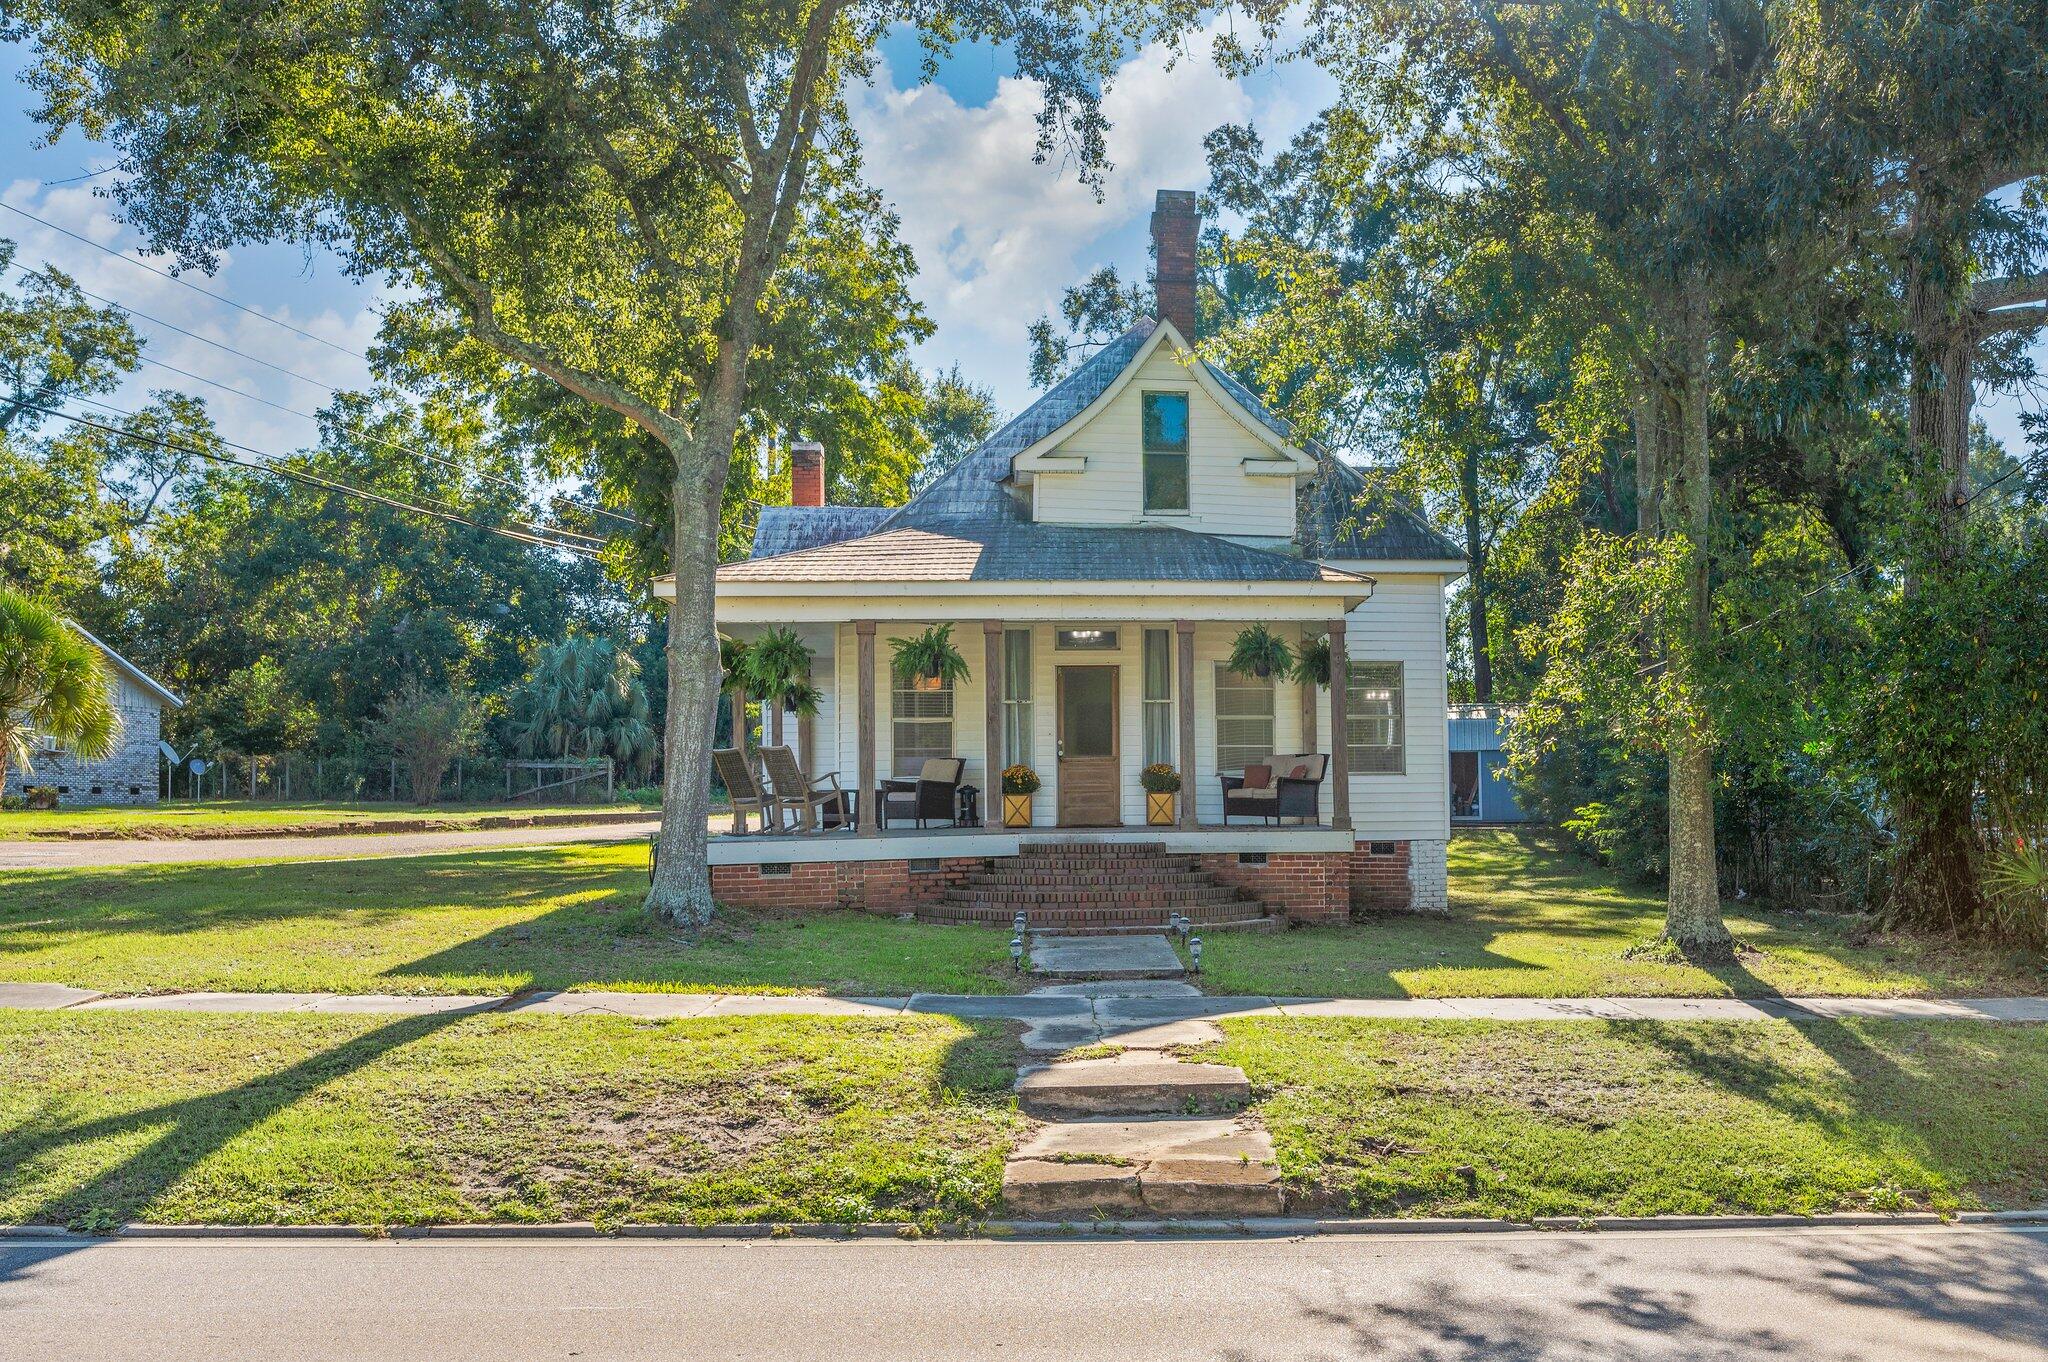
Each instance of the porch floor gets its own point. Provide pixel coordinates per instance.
(900, 843)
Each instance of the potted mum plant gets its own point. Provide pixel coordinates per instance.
(1020, 782)
(1258, 651)
(929, 657)
(1161, 784)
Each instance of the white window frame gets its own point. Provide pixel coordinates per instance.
(1376, 726)
(1230, 757)
(1018, 715)
(1156, 717)
(906, 759)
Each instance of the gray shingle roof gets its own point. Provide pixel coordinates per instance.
(786, 529)
(971, 528)
(1017, 551)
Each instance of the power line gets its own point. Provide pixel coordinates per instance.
(328, 388)
(276, 466)
(181, 282)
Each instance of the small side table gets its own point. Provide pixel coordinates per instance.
(967, 806)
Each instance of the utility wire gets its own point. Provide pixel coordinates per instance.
(289, 373)
(181, 282)
(276, 466)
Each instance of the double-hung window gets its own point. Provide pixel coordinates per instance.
(1017, 697)
(921, 723)
(1158, 701)
(1374, 714)
(1244, 719)
(1166, 451)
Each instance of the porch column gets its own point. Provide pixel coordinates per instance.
(739, 740)
(1340, 728)
(864, 632)
(1308, 698)
(992, 735)
(1184, 688)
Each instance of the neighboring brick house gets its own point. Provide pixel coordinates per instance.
(127, 775)
(1096, 558)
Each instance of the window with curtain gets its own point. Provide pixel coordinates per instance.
(1244, 720)
(921, 723)
(1166, 451)
(1376, 740)
(1158, 696)
(1017, 696)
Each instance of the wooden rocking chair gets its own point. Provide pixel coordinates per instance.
(742, 787)
(814, 799)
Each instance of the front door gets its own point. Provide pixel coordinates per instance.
(1090, 793)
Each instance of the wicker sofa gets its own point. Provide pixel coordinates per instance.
(1292, 788)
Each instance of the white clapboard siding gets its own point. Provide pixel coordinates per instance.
(1222, 498)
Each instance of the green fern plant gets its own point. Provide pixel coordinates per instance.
(1312, 662)
(930, 655)
(1258, 651)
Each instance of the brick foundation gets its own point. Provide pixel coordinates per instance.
(1379, 881)
(1307, 886)
(872, 886)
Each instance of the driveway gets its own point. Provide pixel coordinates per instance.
(35, 855)
(1958, 1294)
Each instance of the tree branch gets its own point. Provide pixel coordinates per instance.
(2017, 288)
(2011, 319)
(1546, 99)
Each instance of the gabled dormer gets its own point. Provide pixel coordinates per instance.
(1168, 440)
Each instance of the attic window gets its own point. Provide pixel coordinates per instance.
(1166, 451)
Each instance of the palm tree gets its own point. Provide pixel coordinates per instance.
(52, 681)
(585, 699)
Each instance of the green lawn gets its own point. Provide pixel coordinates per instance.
(214, 817)
(1587, 1118)
(1530, 921)
(387, 1121)
(483, 921)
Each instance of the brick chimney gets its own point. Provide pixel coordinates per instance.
(1175, 225)
(807, 473)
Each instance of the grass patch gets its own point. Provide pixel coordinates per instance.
(469, 922)
(228, 1119)
(1529, 920)
(1639, 1118)
(217, 816)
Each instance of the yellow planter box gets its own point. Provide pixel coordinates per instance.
(1016, 811)
(1159, 809)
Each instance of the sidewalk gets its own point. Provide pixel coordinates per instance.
(1084, 1012)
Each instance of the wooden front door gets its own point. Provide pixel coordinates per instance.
(1090, 792)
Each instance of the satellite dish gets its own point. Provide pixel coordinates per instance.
(198, 766)
(170, 752)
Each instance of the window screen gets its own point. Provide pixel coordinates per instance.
(1017, 713)
(1376, 737)
(1244, 720)
(1158, 698)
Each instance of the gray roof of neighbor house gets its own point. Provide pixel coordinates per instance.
(969, 526)
(134, 673)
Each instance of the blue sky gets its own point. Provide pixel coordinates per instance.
(997, 238)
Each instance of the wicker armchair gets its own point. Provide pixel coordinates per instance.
(742, 786)
(1293, 788)
(932, 797)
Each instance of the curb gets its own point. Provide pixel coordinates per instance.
(1251, 1227)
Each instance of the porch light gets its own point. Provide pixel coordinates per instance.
(1016, 952)
(1195, 953)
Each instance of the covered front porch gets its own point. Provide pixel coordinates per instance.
(1086, 692)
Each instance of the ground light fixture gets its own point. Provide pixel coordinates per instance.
(1195, 953)
(1020, 924)
(1017, 952)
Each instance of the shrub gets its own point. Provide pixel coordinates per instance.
(1020, 780)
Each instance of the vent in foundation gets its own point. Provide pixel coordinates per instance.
(922, 864)
(1382, 848)
(1251, 858)
(775, 870)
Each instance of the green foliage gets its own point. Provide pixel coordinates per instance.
(778, 669)
(585, 699)
(426, 728)
(1019, 780)
(1312, 661)
(254, 710)
(53, 683)
(1160, 778)
(1258, 651)
(929, 655)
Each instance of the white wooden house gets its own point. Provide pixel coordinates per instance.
(1097, 557)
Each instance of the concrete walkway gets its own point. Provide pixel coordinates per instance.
(1060, 1016)
(346, 847)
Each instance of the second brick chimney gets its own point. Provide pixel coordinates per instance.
(1175, 224)
(807, 473)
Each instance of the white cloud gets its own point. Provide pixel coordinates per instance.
(998, 238)
(350, 324)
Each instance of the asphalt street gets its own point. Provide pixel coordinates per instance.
(1953, 1293)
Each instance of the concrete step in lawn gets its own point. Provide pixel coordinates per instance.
(1166, 1166)
(1134, 1083)
(1104, 957)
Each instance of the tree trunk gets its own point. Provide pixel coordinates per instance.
(1475, 559)
(1936, 881)
(681, 891)
(1692, 915)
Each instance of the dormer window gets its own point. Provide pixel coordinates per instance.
(1166, 452)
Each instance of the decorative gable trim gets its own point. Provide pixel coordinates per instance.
(1287, 460)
